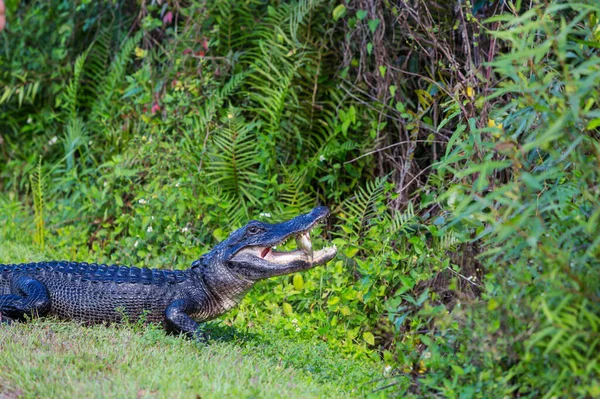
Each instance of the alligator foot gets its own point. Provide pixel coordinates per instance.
(200, 336)
(179, 321)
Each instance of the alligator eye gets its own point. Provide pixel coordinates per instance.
(253, 230)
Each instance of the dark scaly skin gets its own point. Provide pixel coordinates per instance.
(214, 284)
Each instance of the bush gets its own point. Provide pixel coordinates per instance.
(527, 186)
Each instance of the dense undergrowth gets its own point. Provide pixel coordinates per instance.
(457, 145)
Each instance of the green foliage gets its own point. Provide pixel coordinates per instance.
(147, 135)
(531, 191)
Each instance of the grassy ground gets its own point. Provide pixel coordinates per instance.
(51, 358)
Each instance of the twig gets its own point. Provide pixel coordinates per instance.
(391, 146)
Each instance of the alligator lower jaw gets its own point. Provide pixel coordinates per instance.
(268, 254)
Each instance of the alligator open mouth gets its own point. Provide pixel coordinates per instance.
(304, 252)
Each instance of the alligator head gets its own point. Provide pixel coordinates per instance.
(249, 254)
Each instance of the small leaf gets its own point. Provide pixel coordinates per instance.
(493, 304)
(373, 24)
(339, 12)
(361, 14)
(594, 123)
(287, 309)
(298, 282)
(369, 48)
(369, 338)
(350, 251)
(426, 340)
(492, 124)
(140, 53)
(382, 70)
(219, 234)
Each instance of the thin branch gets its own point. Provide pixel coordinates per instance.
(393, 145)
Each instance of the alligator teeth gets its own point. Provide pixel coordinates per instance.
(304, 243)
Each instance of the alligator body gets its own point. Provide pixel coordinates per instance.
(180, 300)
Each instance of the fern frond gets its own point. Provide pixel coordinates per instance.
(234, 208)
(298, 13)
(234, 159)
(103, 107)
(97, 63)
(38, 188)
(447, 242)
(401, 222)
(75, 137)
(275, 101)
(69, 97)
(207, 112)
(293, 197)
(363, 207)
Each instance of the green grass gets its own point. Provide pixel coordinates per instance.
(52, 358)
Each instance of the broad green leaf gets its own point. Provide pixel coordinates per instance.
(339, 12)
(298, 281)
(373, 24)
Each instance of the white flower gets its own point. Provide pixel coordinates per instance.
(29, 120)
(149, 229)
(387, 369)
(53, 140)
(142, 201)
(295, 321)
(105, 183)
(177, 184)
(321, 158)
(135, 244)
(297, 329)
(185, 229)
(265, 215)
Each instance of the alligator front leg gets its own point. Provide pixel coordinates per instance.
(29, 298)
(179, 321)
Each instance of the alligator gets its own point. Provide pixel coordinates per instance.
(179, 299)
